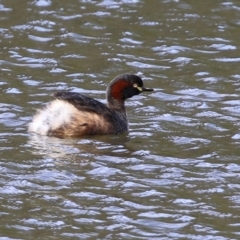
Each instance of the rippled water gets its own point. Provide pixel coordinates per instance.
(176, 174)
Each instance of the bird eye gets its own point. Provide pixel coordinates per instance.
(140, 89)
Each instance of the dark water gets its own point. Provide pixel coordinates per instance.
(176, 174)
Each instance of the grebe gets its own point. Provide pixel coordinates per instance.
(73, 114)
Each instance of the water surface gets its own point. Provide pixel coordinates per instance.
(175, 175)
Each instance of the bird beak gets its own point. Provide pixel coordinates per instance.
(142, 89)
(147, 89)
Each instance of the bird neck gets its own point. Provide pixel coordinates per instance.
(116, 104)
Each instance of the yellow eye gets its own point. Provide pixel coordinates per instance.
(136, 86)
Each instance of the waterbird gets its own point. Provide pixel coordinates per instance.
(73, 114)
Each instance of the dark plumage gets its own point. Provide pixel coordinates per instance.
(74, 114)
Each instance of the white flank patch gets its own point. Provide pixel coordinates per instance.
(53, 116)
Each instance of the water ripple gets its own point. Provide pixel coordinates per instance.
(175, 175)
